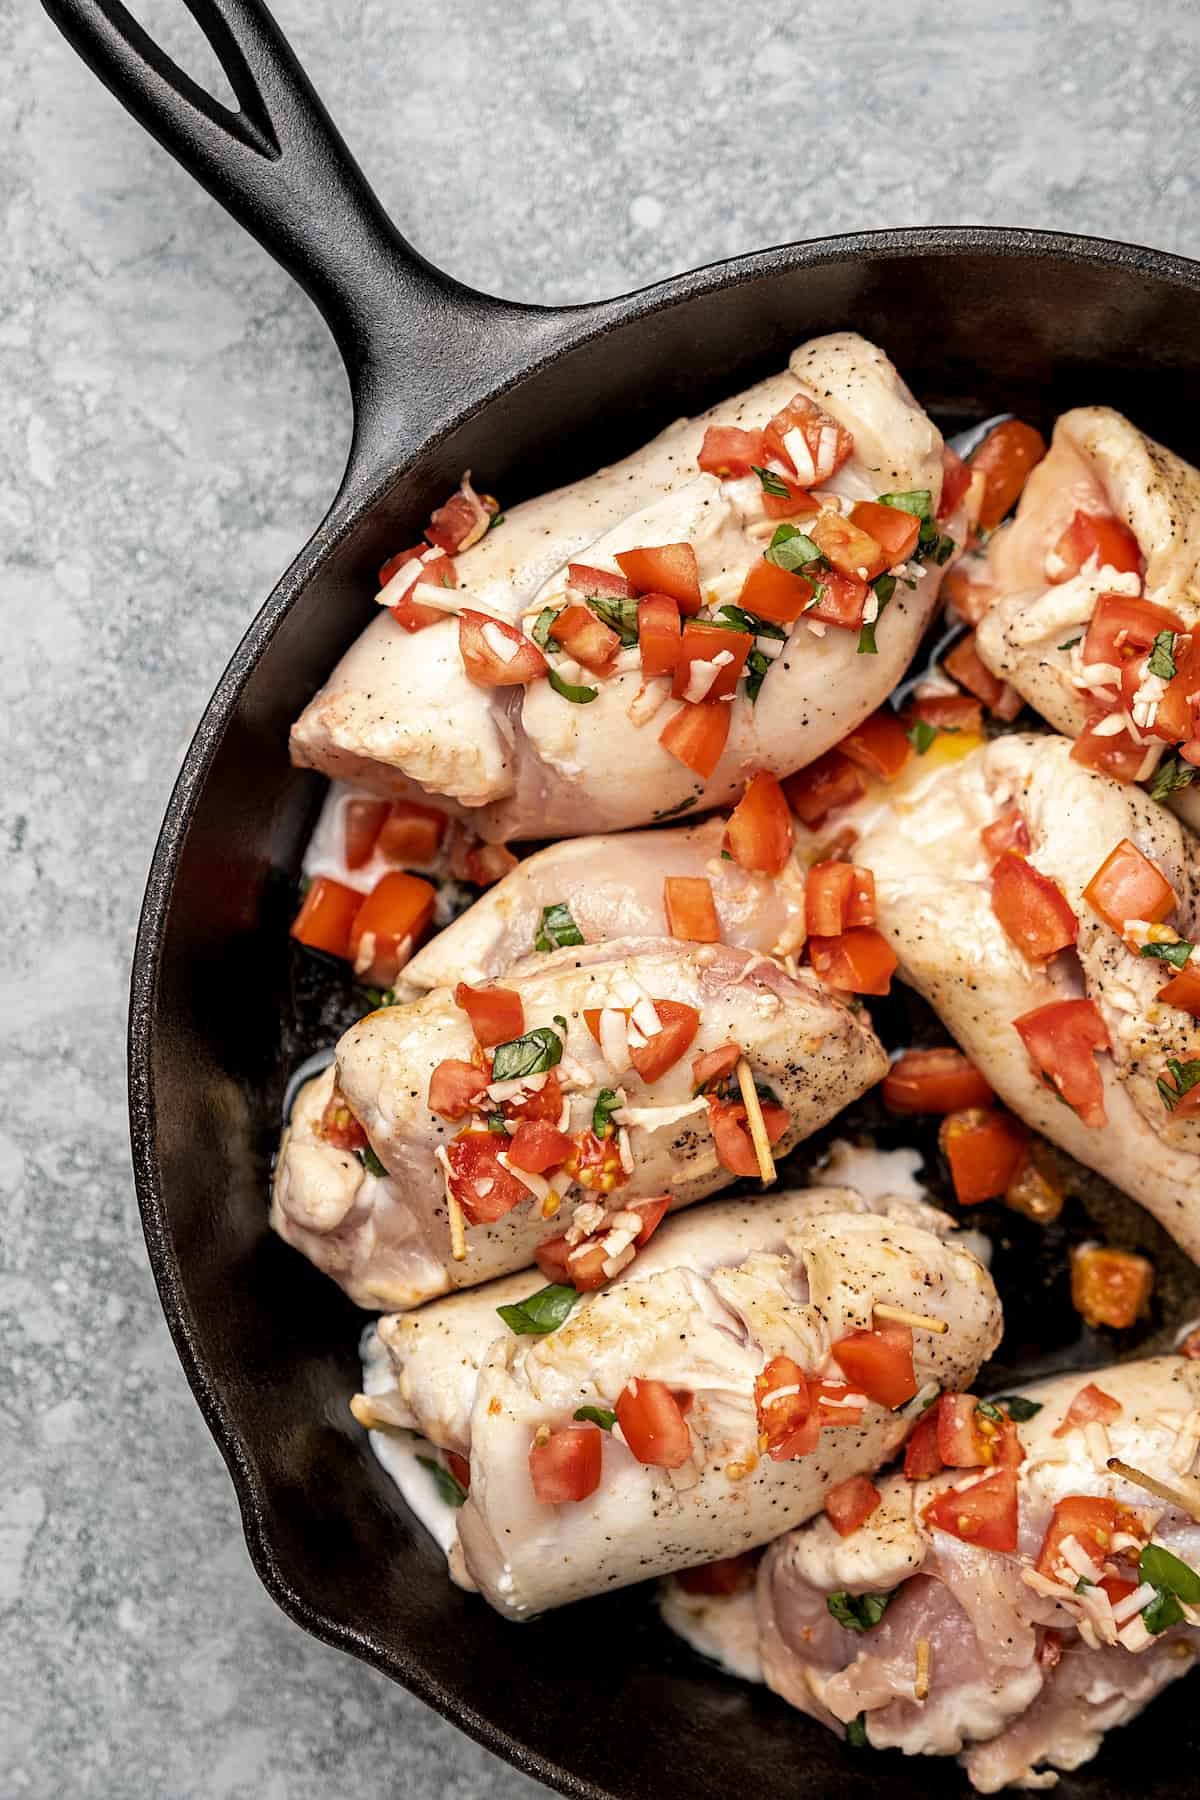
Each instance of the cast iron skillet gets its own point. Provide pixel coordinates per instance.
(596, 1701)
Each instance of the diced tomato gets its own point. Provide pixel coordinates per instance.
(567, 1465)
(735, 1148)
(488, 863)
(455, 1087)
(849, 548)
(985, 1150)
(794, 502)
(837, 897)
(1183, 990)
(326, 917)
(1006, 456)
(679, 1025)
(830, 1400)
(1102, 536)
(956, 479)
(878, 745)
(1007, 832)
(934, 1081)
(1175, 714)
(959, 1443)
(394, 564)
(1093, 1521)
(1127, 885)
(770, 592)
(652, 1214)
(730, 452)
(948, 712)
(787, 1422)
(970, 598)
(895, 531)
(1062, 1039)
(659, 634)
(714, 1065)
(1091, 1405)
(389, 925)
(496, 1013)
(540, 1103)
(827, 445)
(1110, 1287)
(495, 654)
(1049, 1650)
(665, 569)
(1033, 910)
(860, 961)
(338, 1125)
(851, 1503)
(843, 600)
(580, 1266)
(966, 667)
(922, 1457)
(459, 524)
(653, 1425)
(414, 615)
(484, 1189)
(729, 1575)
(826, 784)
(691, 909)
(702, 643)
(879, 1364)
(1123, 626)
(460, 1468)
(1116, 1589)
(760, 834)
(362, 821)
(537, 1146)
(1115, 753)
(984, 1514)
(596, 1163)
(588, 639)
(695, 735)
(411, 832)
(587, 580)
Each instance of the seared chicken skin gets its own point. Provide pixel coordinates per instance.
(388, 1240)
(526, 762)
(1011, 1657)
(935, 885)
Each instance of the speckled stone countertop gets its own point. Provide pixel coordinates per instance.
(174, 422)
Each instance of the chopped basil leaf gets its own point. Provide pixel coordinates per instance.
(595, 1415)
(942, 551)
(858, 1612)
(771, 483)
(866, 640)
(1161, 1613)
(561, 1023)
(578, 696)
(736, 618)
(918, 502)
(1083, 1584)
(920, 735)
(932, 1400)
(1185, 1076)
(449, 1489)
(1162, 657)
(539, 1050)
(371, 1162)
(1178, 955)
(758, 667)
(884, 586)
(495, 1124)
(607, 1102)
(619, 614)
(856, 1733)
(1174, 773)
(556, 928)
(541, 628)
(766, 1094)
(791, 549)
(1168, 1573)
(497, 521)
(1018, 1408)
(671, 812)
(1071, 642)
(990, 1411)
(542, 1312)
(378, 997)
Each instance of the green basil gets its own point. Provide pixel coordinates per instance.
(619, 614)
(672, 812)
(449, 1488)
(578, 696)
(771, 483)
(539, 1050)
(858, 1612)
(1167, 1572)
(378, 997)
(920, 735)
(758, 667)
(1083, 1584)
(595, 1415)
(736, 618)
(1178, 955)
(1185, 1074)
(371, 1162)
(1162, 657)
(497, 521)
(1161, 1613)
(791, 549)
(883, 587)
(990, 1410)
(918, 502)
(1173, 774)
(607, 1102)
(1018, 1408)
(856, 1733)
(542, 626)
(496, 1125)
(542, 1312)
(556, 928)
(1071, 642)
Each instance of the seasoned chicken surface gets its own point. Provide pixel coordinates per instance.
(388, 1242)
(528, 763)
(710, 1337)
(980, 1653)
(934, 897)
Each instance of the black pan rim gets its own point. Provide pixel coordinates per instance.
(591, 321)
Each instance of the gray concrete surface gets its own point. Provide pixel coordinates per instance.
(174, 422)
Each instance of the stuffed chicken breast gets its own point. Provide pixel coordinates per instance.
(453, 1141)
(1011, 1594)
(1047, 913)
(720, 1409)
(638, 642)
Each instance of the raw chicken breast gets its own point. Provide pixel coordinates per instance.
(387, 1242)
(1022, 1669)
(711, 1337)
(933, 894)
(528, 763)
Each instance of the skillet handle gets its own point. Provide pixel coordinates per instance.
(407, 333)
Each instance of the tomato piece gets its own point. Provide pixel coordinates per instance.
(536, 1146)
(585, 637)
(895, 531)
(1007, 832)
(703, 643)
(1006, 456)
(735, 1149)
(879, 1363)
(826, 784)
(860, 961)
(389, 925)
(1100, 535)
(459, 1467)
(652, 1214)
(540, 1103)
(488, 863)
(963, 663)
(770, 592)
(1091, 1405)
(1062, 1039)
(959, 1443)
(678, 1026)
(934, 1081)
(659, 635)
(436, 569)
(956, 479)
(843, 600)
(712, 1066)
(760, 834)
(1115, 753)
(851, 1503)
(847, 547)
(949, 712)
(456, 1088)
(695, 735)
(1124, 626)
(394, 564)
(587, 580)
(326, 917)
(984, 1514)
(664, 569)
(791, 504)
(1175, 714)
(730, 452)
(596, 1163)
(729, 1575)
(362, 821)
(338, 1125)
(1033, 910)
(837, 897)
(653, 1424)
(1127, 885)
(922, 1458)
(818, 450)
(878, 745)
(787, 1421)
(830, 1400)
(495, 654)
(484, 1189)
(496, 1013)
(1110, 1287)
(411, 832)
(567, 1465)
(1093, 1521)
(580, 1266)
(691, 909)
(1183, 990)
(461, 522)
(985, 1150)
